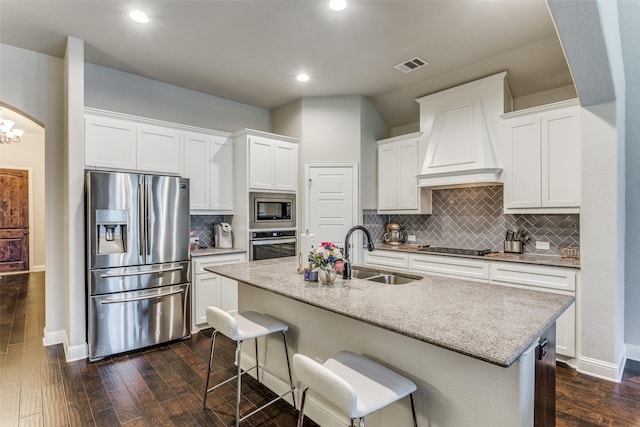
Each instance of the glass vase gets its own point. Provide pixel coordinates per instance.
(327, 276)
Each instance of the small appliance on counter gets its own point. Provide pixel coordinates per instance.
(394, 235)
(222, 235)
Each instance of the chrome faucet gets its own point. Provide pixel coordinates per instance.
(346, 272)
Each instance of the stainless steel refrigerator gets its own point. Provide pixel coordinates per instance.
(138, 290)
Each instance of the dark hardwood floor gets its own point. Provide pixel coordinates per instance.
(163, 385)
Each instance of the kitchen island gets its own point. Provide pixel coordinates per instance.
(469, 347)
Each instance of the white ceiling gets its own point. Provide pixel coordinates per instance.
(250, 50)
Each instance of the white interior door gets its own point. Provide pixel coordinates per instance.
(331, 202)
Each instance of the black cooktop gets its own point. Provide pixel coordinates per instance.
(456, 251)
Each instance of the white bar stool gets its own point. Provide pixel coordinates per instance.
(241, 327)
(354, 384)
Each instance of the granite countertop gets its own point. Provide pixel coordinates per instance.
(488, 322)
(552, 260)
(214, 251)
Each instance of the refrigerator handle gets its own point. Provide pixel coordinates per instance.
(147, 208)
(141, 221)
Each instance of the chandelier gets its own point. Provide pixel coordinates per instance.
(8, 134)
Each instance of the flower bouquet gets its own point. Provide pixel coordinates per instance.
(323, 258)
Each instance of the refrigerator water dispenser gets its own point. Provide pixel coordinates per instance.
(111, 230)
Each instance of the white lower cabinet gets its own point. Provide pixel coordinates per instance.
(541, 278)
(449, 266)
(545, 279)
(213, 289)
(387, 259)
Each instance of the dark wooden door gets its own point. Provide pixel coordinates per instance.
(14, 220)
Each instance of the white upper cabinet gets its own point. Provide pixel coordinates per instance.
(222, 175)
(398, 190)
(285, 166)
(273, 164)
(159, 149)
(209, 166)
(110, 143)
(542, 167)
(117, 141)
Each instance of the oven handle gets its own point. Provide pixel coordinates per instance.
(272, 242)
(140, 298)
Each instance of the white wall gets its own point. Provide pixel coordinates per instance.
(75, 331)
(29, 154)
(33, 83)
(546, 97)
(372, 128)
(629, 16)
(115, 90)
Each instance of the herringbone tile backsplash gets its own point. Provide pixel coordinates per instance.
(472, 218)
(202, 226)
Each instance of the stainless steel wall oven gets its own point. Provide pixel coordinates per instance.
(272, 244)
(272, 210)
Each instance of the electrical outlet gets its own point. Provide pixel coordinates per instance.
(542, 245)
(411, 238)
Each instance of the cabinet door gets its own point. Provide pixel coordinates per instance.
(260, 163)
(561, 159)
(197, 167)
(285, 166)
(221, 175)
(522, 184)
(159, 150)
(565, 327)
(207, 292)
(387, 176)
(407, 186)
(109, 143)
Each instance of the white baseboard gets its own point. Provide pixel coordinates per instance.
(601, 369)
(72, 353)
(76, 352)
(54, 337)
(35, 268)
(318, 411)
(633, 352)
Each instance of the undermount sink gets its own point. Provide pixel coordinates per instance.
(358, 273)
(382, 276)
(391, 279)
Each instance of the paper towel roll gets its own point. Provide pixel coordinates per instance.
(306, 243)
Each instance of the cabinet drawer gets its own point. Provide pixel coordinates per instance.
(536, 276)
(387, 259)
(449, 266)
(199, 263)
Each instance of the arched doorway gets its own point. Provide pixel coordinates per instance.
(22, 164)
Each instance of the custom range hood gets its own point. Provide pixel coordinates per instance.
(460, 133)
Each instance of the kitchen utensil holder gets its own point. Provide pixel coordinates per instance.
(513, 246)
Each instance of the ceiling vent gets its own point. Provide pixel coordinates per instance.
(411, 65)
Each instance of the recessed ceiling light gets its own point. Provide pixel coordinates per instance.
(337, 5)
(302, 77)
(139, 16)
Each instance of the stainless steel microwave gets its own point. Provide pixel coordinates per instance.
(272, 210)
